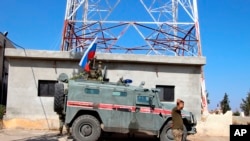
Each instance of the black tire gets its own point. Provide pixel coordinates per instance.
(166, 133)
(86, 128)
(59, 98)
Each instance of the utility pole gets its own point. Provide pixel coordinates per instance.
(3, 67)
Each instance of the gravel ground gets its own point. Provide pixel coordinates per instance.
(36, 135)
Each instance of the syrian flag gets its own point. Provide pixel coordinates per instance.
(88, 54)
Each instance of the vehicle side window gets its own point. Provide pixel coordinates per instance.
(116, 93)
(91, 91)
(142, 100)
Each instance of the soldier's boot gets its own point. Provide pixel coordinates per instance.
(60, 131)
(68, 131)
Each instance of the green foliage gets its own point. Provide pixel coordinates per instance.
(245, 105)
(78, 76)
(2, 111)
(225, 104)
(236, 113)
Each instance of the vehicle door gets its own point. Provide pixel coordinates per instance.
(145, 114)
(118, 107)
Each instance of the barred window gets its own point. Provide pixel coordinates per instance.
(46, 88)
(167, 93)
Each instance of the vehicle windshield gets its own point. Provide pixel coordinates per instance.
(143, 99)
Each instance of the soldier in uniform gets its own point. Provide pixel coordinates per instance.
(92, 72)
(99, 71)
(61, 123)
(177, 126)
(95, 73)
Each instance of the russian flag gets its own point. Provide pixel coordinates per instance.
(88, 54)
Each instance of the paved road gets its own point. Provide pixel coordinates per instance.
(34, 135)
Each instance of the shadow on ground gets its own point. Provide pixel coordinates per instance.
(49, 137)
(116, 137)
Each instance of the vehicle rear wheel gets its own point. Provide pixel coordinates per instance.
(167, 135)
(86, 128)
(59, 98)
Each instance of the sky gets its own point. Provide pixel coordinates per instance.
(224, 28)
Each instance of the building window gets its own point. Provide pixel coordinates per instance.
(119, 94)
(91, 91)
(46, 88)
(166, 93)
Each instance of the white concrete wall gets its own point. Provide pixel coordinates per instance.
(23, 100)
(25, 71)
(240, 120)
(215, 125)
(186, 79)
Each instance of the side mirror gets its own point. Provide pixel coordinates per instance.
(151, 102)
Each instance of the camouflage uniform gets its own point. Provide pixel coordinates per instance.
(92, 74)
(99, 71)
(177, 133)
(177, 124)
(95, 73)
(61, 123)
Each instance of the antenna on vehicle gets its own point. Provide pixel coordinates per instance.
(104, 76)
(142, 84)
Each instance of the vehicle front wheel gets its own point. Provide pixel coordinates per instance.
(86, 128)
(167, 133)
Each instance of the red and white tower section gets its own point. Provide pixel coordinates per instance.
(151, 27)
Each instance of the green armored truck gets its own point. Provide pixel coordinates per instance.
(95, 106)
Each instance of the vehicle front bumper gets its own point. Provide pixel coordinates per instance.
(192, 131)
(193, 122)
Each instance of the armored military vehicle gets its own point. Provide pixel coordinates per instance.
(92, 106)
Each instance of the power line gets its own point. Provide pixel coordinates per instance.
(16, 45)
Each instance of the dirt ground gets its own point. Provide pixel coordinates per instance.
(36, 135)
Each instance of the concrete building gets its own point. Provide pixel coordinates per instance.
(33, 73)
(4, 43)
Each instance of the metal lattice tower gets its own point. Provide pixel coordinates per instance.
(161, 27)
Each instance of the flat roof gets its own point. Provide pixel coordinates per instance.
(130, 58)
